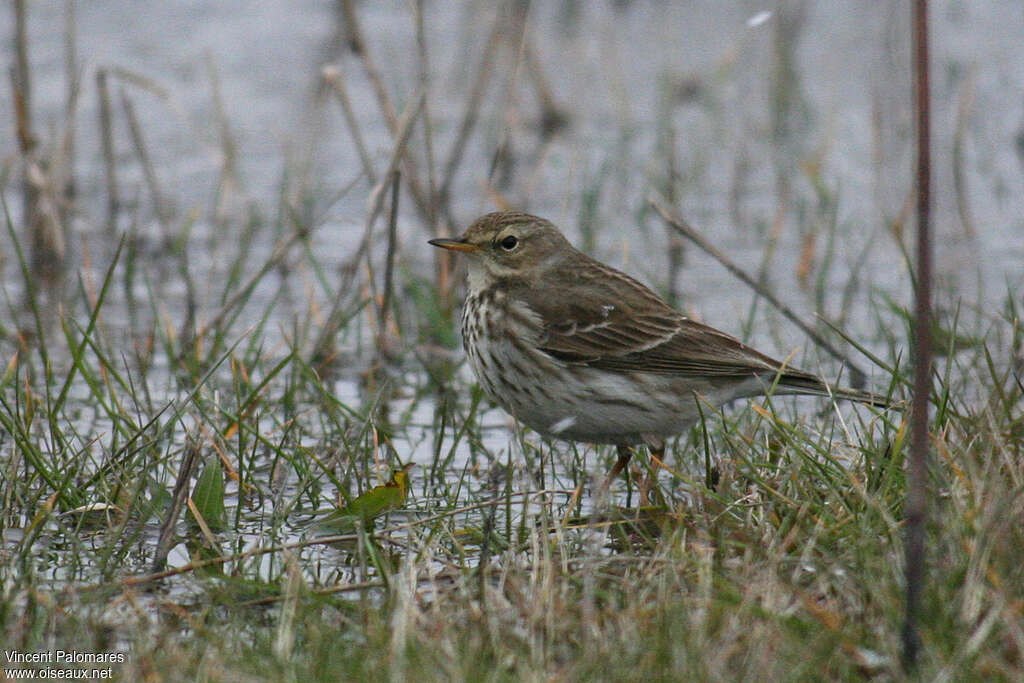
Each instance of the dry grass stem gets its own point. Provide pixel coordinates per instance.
(333, 76)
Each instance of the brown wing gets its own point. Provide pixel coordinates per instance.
(605, 319)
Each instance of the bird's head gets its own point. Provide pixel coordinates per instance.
(508, 244)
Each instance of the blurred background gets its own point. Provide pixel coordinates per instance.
(782, 131)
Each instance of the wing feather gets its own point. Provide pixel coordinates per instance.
(614, 322)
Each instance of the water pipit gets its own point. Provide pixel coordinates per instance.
(578, 350)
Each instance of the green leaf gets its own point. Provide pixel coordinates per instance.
(370, 505)
(208, 495)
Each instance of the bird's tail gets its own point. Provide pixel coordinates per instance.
(799, 382)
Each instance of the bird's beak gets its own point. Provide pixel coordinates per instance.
(454, 245)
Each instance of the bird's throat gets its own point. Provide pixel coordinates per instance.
(477, 277)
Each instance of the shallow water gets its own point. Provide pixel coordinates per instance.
(607, 67)
(749, 147)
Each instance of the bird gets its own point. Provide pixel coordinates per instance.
(580, 351)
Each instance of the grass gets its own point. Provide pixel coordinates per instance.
(162, 467)
(790, 568)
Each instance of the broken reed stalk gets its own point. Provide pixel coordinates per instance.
(402, 134)
(21, 91)
(552, 118)
(471, 112)
(322, 348)
(41, 213)
(21, 81)
(411, 173)
(770, 247)
(964, 108)
(857, 376)
(71, 83)
(229, 182)
(333, 77)
(515, 38)
(373, 208)
(375, 203)
(60, 185)
(428, 135)
(107, 147)
(389, 265)
(675, 242)
(915, 506)
(358, 42)
(140, 81)
(470, 115)
(163, 545)
(442, 264)
(135, 132)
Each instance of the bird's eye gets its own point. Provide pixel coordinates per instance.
(509, 243)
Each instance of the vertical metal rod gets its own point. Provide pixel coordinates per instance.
(915, 507)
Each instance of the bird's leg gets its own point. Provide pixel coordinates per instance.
(650, 482)
(625, 453)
